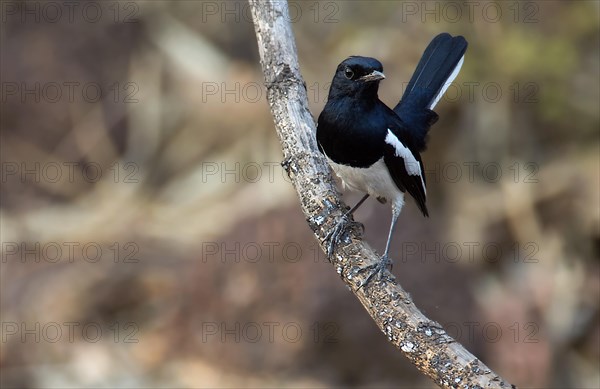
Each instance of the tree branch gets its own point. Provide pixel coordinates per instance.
(423, 342)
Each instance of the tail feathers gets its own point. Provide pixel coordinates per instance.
(438, 67)
(447, 83)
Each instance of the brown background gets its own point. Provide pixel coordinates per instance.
(151, 239)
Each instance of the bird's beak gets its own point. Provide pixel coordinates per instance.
(373, 76)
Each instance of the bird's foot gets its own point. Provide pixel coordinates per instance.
(376, 269)
(334, 237)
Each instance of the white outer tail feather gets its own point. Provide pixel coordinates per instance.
(447, 83)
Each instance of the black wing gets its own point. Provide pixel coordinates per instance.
(405, 166)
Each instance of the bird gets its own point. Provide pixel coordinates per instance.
(375, 149)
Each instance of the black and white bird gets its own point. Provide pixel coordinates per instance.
(375, 149)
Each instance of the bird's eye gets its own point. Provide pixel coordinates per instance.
(348, 73)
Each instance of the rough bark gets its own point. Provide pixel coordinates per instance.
(423, 341)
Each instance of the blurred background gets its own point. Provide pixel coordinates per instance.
(150, 237)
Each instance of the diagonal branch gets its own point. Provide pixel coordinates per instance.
(423, 342)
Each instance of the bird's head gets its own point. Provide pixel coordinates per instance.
(357, 76)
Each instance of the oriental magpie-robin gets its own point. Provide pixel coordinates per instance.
(375, 149)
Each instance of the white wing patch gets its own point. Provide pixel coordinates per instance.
(411, 164)
(448, 82)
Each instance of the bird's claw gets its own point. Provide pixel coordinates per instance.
(336, 234)
(333, 237)
(376, 269)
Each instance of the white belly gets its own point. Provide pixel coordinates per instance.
(374, 180)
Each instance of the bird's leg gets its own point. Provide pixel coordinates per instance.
(336, 233)
(379, 267)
